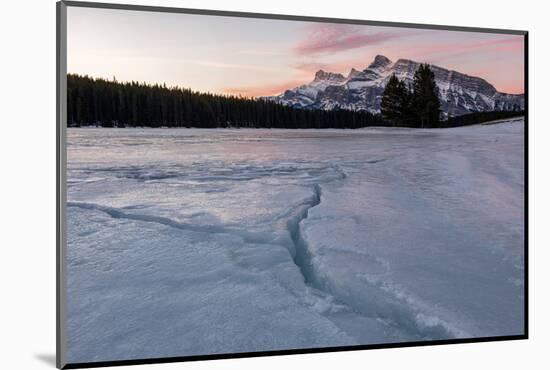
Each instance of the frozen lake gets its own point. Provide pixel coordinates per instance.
(192, 241)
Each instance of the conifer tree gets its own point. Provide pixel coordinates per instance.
(425, 99)
(395, 102)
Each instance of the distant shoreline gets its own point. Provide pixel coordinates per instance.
(486, 123)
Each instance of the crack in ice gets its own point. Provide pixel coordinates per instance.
(299, 251)
(246, 236)
(302, 258)
(415, 320)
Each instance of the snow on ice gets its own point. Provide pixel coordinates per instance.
(189, 242)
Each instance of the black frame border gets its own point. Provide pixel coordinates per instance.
(61, 86)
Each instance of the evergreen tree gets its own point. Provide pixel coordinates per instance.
(395, 102)
(425, 99)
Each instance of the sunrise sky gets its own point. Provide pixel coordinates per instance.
(259, 57)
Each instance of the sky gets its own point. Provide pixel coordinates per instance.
(261, 57)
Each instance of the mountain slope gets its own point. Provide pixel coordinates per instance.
(362, 90)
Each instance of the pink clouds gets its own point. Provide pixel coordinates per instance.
(513, 44)
(434, 52)
(326, 38)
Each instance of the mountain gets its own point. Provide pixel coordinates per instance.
(362, 90)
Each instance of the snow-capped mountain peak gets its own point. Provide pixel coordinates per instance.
(380, 61)
(362, 90)
(353, 73)
(328, 76)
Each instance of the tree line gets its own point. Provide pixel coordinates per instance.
(480, 117)
(109, 103)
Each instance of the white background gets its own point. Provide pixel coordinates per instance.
(27, 186)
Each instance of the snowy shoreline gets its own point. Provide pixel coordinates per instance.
(504, 120)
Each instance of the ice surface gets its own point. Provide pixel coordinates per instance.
(188, 242)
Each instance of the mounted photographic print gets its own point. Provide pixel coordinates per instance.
(236, 184)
